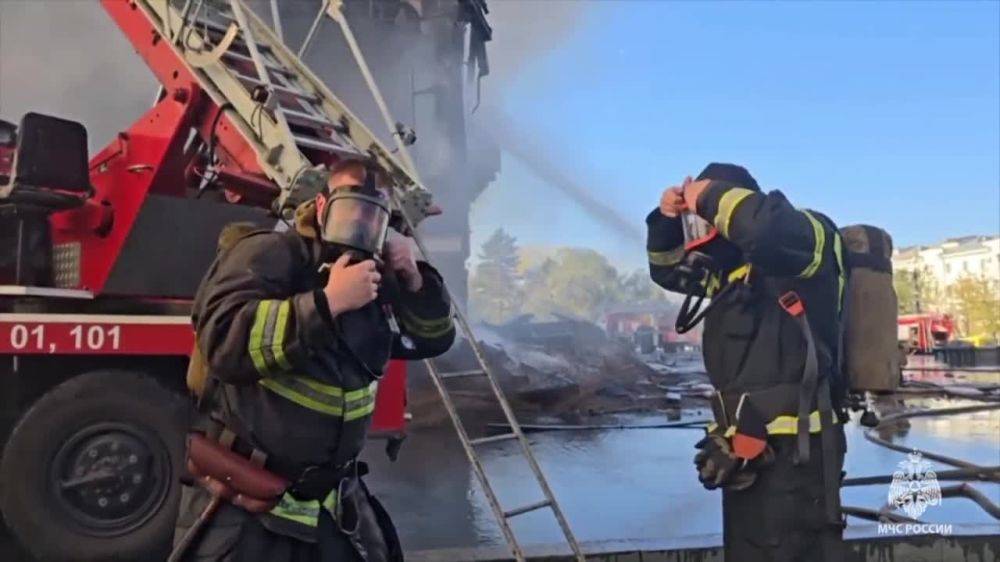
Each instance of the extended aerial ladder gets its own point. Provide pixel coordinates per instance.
(293, 126)
(277, 130)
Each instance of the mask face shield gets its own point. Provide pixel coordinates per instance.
(356, 218)
(697, 230)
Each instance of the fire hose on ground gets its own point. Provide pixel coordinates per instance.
(964, 472)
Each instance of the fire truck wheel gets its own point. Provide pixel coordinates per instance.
(91, 470)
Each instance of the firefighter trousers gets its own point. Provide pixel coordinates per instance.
(783, 516)
(234, 535)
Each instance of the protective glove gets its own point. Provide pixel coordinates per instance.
(715, 461)
(718, 466)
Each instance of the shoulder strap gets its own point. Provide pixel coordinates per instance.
(812, 387)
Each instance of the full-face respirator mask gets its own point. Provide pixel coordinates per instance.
(356, 218)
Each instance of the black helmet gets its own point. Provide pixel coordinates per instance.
(730, 173)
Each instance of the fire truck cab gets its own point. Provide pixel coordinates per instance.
(921, 333)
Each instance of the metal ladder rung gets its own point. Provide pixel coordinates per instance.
(459, 374)
(318, 144)
(219, 28)
(526, 508)
(493, 438)
(278, 88)
(211, 25)
(301, 118)
(247, 60)
(239, 41)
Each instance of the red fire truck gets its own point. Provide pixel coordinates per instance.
(101, 257)
(921, 333)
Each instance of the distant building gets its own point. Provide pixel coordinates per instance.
(949, 261)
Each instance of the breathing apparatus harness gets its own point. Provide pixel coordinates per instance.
(699, 276)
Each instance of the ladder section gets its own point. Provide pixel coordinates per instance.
(471, 446)
(287, 115)
(332, 9)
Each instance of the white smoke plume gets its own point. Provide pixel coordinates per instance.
(68, 58)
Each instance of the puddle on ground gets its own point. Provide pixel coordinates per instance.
(640, 484)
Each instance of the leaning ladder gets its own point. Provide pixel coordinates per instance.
(332, 9)
(287, 115)
(470, 446)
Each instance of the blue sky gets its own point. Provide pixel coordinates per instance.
(878, 112)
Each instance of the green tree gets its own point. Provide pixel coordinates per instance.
(906, 292)
(495, 288)
(976, 302)
(917, 291)
(576, 282)
(538, 296)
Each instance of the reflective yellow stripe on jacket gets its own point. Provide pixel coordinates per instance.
(741, 273)
(711, 283)
(267, 337)
(667, 258)
(789, 425)
(420, 327)
(727, 207)
(838, 251)
(304, 512)
(782, 425)
(323, 398)
(819, 236)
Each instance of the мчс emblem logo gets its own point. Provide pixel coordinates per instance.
(914, 486)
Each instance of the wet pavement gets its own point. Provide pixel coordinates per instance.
(640, 484)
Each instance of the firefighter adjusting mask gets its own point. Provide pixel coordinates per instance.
(356, 218)
(707, 254)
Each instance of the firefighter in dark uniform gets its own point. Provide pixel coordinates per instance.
(295, 330)
(772, 277)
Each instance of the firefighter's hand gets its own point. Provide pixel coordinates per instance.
(399, 257)
(718, 466)
(672, 202)
(715, 461)
(351, 287)
(692, 190)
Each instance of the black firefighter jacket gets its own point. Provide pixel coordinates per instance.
(750, 342)
(298, 383)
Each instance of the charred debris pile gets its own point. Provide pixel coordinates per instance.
(563, 369)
